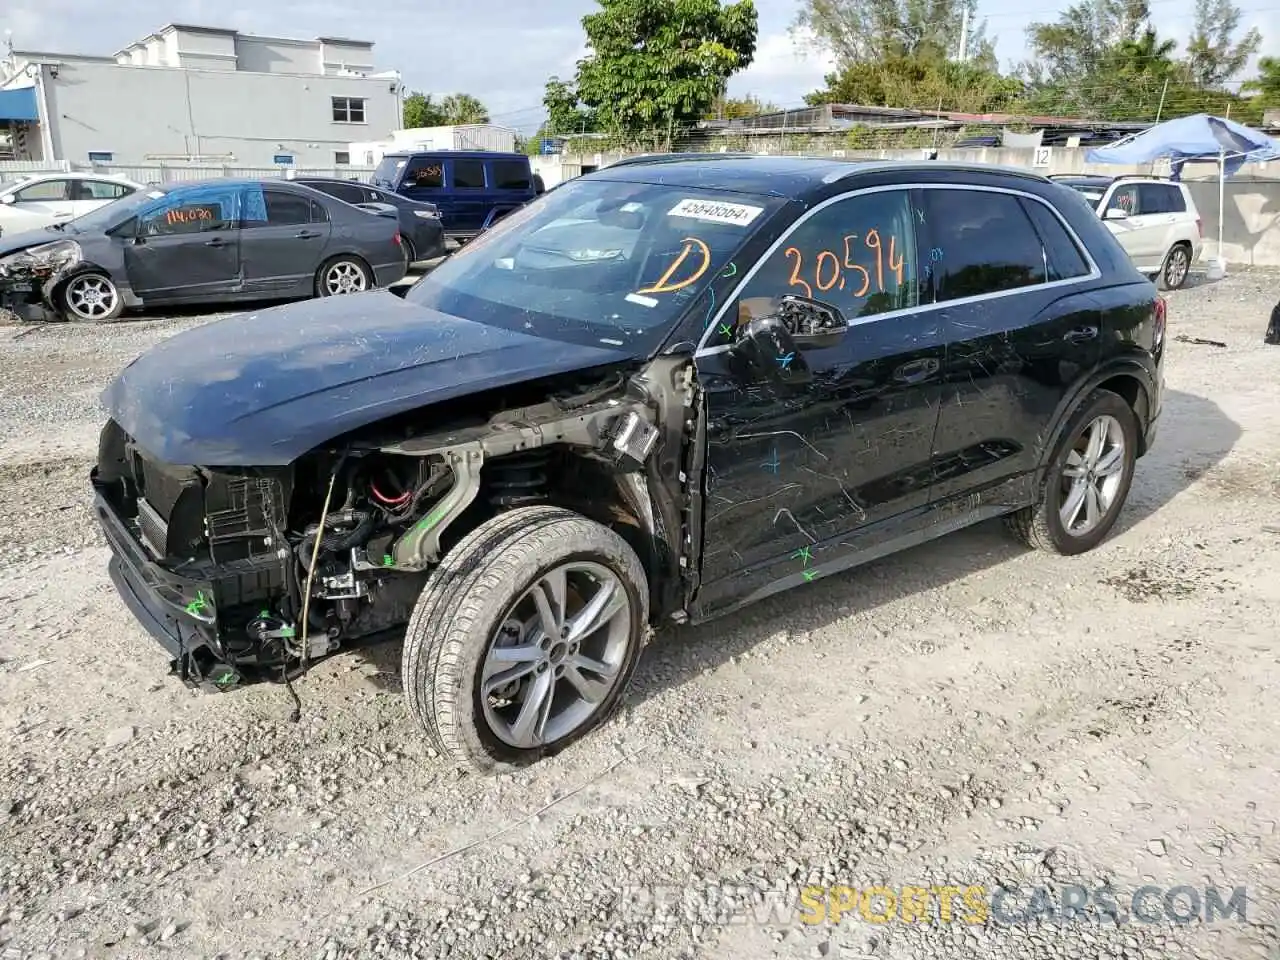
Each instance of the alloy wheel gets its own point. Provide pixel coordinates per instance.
(345, 277)
(1175, 270)
(92, 297)
(557, 656)
(1092, 476)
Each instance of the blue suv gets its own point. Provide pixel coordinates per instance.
(472, 189)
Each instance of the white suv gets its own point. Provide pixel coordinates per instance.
(44, 199)
(1154, 219)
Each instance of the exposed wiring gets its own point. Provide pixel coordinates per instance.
(390, 501)
(305, 654)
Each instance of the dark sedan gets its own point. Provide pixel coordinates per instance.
(211, 241)
(421, 229)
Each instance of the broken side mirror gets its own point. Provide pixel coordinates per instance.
(764, 351)
(813, 324)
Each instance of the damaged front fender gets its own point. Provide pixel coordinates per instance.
(29, 277)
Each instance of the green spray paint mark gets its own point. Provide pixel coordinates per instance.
(388, 560)
(227, 678)
(804, 555)
(198, 605)
(809, 575)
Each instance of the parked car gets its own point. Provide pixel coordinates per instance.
(662, 392)
(39, 200)
(1154, 219)
(472, 189)
(212, 241)
(421, 229)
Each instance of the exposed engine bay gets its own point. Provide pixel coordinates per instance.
(262, 571)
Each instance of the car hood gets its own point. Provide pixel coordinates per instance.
(16, 242)
(263, 388)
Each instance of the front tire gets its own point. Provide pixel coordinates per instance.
(343, 275)
(525, 638)
(91, 298)
(1087, 482)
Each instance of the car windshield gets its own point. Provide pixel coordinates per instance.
(116, 212)
(597, 261)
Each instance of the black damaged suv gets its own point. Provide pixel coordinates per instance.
(640, 399)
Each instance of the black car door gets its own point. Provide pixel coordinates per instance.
(186, 245)
(283, 241)
(1023, 325)
(803, 476)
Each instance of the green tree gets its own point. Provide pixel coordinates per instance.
(1214, 54)
(734, 108)
(419, 110)
(463, 108)
(564, 114)
(871, 31)
(924, 83)
(1266, 85)
(657, 65)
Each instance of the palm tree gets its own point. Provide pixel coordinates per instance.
(463, 108)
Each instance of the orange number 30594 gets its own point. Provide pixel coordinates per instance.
(832, 271)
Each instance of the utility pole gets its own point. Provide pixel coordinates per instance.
(964, 35)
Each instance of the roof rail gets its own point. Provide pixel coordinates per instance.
(675, 157)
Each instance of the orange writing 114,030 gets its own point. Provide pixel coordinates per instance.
(841, 270)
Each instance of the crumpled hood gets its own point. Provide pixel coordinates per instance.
(21, 240)
(263, 388)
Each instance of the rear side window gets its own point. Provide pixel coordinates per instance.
(286, 209)
(1062, 257)
(983, 243)
(424, 172)
(102, 190)
(468, 174)
(1160, 198)
(350, 192)
(510, 175)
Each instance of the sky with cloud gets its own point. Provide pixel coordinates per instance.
(503, 51)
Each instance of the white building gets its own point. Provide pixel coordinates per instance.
(462, 136)
(202, 94)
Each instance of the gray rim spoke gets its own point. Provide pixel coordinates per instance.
(557, 656)
(1092, 477)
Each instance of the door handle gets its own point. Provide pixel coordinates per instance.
(306, 235)
(916, 370)
(1080, 335)
(62, 216)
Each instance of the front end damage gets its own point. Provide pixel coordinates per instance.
(250, 573)
(29, 278)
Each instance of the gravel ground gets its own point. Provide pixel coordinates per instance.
(965, 713)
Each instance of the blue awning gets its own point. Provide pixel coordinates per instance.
(19, 104)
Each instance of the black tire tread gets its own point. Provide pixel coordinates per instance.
(1031, 525)
(1161, 282)
(418, 656)
(487, 569)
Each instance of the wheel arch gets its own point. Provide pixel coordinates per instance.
(1129, 379)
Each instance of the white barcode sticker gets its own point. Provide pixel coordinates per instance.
(716, 211)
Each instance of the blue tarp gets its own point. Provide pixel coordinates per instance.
(1198, 137)
(19, 104)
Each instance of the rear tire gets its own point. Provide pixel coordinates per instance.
(1176, 267)
(410, 254)
(343, 275)
(525, 638)
(1087, 482)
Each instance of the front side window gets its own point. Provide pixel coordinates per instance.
(348, 110)
(44, 191)
(468, 174)
(983, 242)
(192, 210)
(1125, 198)
(597, 261)
(425, 173)
(859, 255)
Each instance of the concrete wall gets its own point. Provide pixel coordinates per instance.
(1251, 224)
(141, 113)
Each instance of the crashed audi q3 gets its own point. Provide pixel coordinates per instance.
(655, 394)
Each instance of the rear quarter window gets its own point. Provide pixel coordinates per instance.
(1063, 258)
(511, 175)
